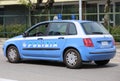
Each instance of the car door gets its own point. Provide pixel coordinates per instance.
(32, 45)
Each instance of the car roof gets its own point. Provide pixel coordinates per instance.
(59, 20)
(80, 21)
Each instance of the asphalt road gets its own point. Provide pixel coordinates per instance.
(55, 71)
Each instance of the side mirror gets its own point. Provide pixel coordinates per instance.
(24, 34)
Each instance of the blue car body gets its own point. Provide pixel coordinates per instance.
(53, 47)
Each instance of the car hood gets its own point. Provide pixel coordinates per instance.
(19, 36)
(15, 38)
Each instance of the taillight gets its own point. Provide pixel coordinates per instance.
(113, 42)
(88, 42)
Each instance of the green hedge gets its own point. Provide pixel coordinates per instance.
(13, 30)
(1, 31)
(115, 31)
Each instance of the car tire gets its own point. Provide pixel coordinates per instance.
(102, 63)
(72, 59)
(13, 54)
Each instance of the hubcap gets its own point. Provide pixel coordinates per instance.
(12, 54)
(71, 58)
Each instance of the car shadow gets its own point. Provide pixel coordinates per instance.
(94, 66)
(60, 64)
(46, 63)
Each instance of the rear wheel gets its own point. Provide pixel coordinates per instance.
(72, 59)
(102, 63)
(13, 54)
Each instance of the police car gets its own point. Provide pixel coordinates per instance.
(68, 41)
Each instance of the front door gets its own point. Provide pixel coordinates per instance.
(32, 45)
(55, 41)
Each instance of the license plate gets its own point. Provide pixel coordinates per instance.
(104, 43)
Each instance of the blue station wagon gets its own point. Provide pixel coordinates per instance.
(68, 41)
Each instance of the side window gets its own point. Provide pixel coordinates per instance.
(58, 28)
(39, 30)
(72, 29)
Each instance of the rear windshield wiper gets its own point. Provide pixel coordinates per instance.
(97, 32)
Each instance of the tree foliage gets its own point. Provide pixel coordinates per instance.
(106, 11)
(29, 4)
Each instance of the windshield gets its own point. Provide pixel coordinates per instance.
(92, 28)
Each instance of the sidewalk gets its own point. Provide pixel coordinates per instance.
(116, 59)
(2, 40)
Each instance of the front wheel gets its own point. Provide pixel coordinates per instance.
(102, 63)
(72, 59)
(13, 54)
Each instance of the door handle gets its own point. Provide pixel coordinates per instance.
(40, 39)
(61, 38)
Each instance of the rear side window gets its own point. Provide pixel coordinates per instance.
(92, 28)
(72, 29)
(57, 28)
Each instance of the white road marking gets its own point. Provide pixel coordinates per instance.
(2, 79)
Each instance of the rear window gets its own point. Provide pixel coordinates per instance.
(92, 28)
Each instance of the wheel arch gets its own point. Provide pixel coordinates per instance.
(9, 46)
(16, 54)
(70, 48)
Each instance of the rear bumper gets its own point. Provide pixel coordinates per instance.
(109, 52)
(95, 57)
(97, 54)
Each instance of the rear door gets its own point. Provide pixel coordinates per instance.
(103, 41)
(99, 35)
